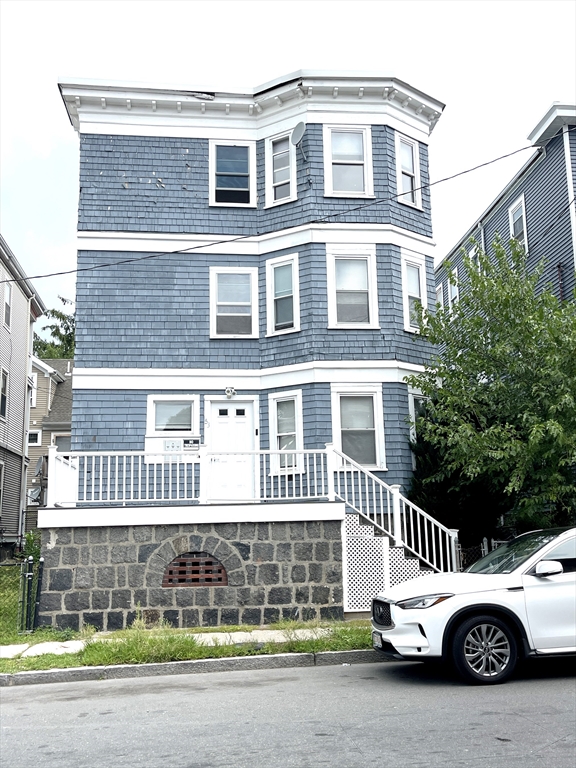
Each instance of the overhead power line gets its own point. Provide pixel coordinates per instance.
(227, 241)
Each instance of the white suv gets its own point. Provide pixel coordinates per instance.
(518, 601)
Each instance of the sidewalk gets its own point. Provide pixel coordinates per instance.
(196, 666)
(259, 636)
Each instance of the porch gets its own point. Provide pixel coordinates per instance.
(386, 538)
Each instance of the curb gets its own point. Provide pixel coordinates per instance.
(197, 666)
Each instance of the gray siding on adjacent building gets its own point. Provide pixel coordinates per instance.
(157, 184)
(546, 197)
(155, 314)
(10, 507)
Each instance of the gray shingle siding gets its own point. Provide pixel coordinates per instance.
(155, 314)
(154, 184)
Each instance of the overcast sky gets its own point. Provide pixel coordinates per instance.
(497, 65)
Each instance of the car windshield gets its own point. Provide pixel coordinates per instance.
(511, 555)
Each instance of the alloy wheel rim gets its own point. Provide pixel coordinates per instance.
(487, 650)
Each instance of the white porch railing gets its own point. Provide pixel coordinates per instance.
(394, 515)
(135, 477)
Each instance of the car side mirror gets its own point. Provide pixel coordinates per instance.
(548, 568)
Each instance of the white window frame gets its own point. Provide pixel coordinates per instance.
(440, 295)
(33, 389)
(273, 400)
(253, 272)
(59, 434)
(366, 132)
(269, 170)
(410, 258)
(271, 265)
(453, 290)
(212, 144)
(402, 196)
(151, 430)
(365, 253)
(5, 394)
(7, 308)
(360, 390)
(519, 203)
(413, 395)
(35, 432)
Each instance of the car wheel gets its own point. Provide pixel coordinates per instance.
(484, 650)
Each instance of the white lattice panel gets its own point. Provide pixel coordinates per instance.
(355, 528)
(365, 571)
(402, 568)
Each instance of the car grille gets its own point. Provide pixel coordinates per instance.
(381, 613)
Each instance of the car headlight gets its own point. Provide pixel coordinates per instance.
(424, 601)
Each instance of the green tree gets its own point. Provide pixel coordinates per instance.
(62, 333)
(501, 414)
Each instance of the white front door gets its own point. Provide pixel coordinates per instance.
(230, 434)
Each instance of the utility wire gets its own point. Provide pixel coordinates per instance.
(321, 220)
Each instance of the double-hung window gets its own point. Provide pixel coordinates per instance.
(358, 424)
(7, 304)
(33, 390)
(440, 295)
(3, 394)
(232, 173)
(408, 171)
(285, 413)
(517, 219)
(282, 295)
(233, 302)
(280, 170)
(414, 288)
(352, 287)
(453, 287)
(348, 161)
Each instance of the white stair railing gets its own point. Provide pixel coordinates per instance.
(394, 515)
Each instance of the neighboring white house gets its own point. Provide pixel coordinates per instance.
(20, 307)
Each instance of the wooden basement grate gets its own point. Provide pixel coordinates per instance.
(194, 569)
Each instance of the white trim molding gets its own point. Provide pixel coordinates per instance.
(257, 245)
(203, 379)
(166, 515)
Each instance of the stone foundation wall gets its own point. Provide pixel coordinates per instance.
(102, 575)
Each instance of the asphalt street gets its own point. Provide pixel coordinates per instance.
(395, 715)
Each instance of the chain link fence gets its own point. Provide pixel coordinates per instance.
(20, 585)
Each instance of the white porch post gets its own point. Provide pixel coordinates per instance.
(203, 474)
(396, 516)
(456, 564)
(331, 468)
(51, 486)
